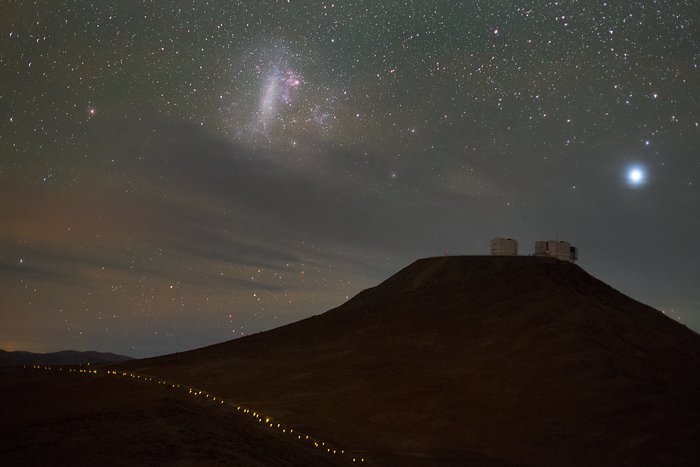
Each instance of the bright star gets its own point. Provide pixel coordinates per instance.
(636, 175)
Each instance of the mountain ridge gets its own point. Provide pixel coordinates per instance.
(64, 357)
(522, 359)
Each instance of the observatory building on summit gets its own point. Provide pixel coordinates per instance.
(504, 247)
(556, 249)
(552, 248)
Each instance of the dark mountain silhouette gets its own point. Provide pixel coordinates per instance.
(473, 361)
(66, 357)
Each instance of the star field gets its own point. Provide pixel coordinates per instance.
(179, 173)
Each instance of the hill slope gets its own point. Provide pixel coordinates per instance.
(69, 419)
(522, 359)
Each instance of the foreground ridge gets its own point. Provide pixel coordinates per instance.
(266, 420)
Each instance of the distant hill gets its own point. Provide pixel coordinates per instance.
(473, 361)
(66, 357)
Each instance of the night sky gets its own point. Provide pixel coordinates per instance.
(176, 174)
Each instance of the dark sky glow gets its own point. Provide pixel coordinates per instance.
(175, 174)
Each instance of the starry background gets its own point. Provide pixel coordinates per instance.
(175, 174)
